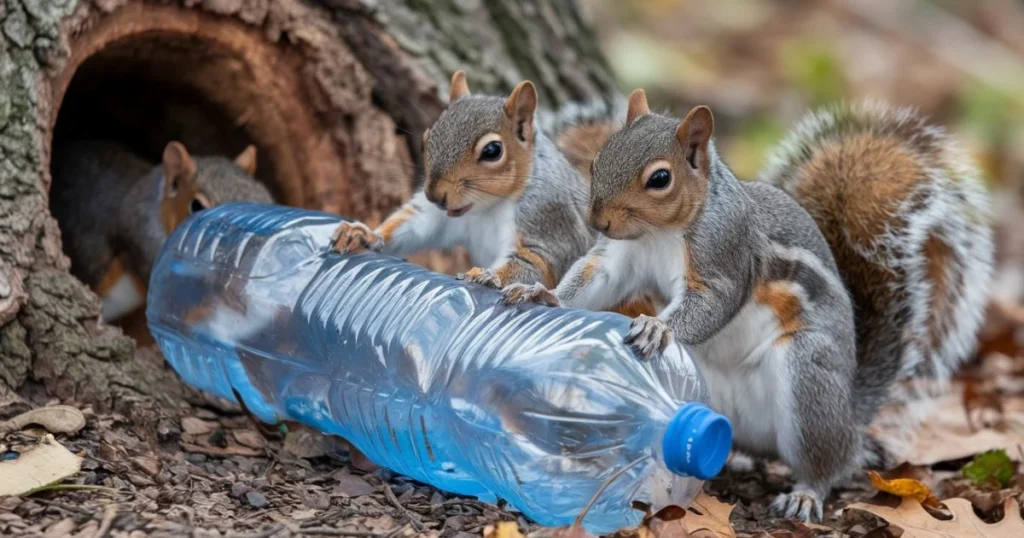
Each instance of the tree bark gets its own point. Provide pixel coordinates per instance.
(334, 93)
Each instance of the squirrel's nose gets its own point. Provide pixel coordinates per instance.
(432, 197)
(600, 224)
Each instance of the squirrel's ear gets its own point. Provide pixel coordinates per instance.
(637, 106)
(179, 185)
(458, 88)
(694, 134)
(520, 107)
(179, 169)
(246, 160)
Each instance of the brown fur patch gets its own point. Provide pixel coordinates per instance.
(113, 275)
(636, 307)
(863, 180)
(694, 282)
(511, 272)
(939, 258)
(110, 278)
(786, 306)
(582, 143)
(395, 221)
(853, 189)
(590, 268)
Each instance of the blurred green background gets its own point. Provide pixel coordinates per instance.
(760, 64)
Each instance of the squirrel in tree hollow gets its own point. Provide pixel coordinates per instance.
(804, 310)
(115, 210)
(496, 185)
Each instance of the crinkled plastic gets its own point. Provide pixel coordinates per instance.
(429, 376)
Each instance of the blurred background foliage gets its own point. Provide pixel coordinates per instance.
(760, 64)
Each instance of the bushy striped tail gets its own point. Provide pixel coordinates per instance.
(579, 129)
(910, 224)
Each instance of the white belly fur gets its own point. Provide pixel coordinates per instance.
(122, 298)
(747, 378)
(490, 236)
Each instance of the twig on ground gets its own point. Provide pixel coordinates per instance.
(109, 514)
(328, 531)
(265, 533)
(63, 506)
(414, 519)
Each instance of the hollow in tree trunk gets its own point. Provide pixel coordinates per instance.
(335, 95)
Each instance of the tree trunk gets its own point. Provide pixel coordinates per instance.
(334, 94)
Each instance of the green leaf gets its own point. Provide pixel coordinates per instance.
(993, 466)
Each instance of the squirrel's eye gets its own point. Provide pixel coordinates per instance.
(659, 179)
(197, 206)
(491, 152)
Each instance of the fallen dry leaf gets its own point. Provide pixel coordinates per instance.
(905, 488)
(669, 522)
(916, 522)
(709, 517)
(196, 426)
(571, 531)
(248, 438)
(984, 499)
(986, 405)
(352, 486)
(504, 529)
(54, 418)
(230, 450)
(45, 463)
(947, 436)
(302, 515)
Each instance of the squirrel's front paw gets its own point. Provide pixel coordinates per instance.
(528, 293)
(648, 335)
(484, 277)
(355, 237)
(801, 504)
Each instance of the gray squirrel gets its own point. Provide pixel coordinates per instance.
(115, 210)
(861, 259)
(496, 185)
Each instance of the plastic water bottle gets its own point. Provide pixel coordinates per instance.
(430, 376)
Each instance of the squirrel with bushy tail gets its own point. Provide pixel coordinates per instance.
(857, 265)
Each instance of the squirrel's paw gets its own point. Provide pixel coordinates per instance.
(528, 293)
(355, 237)
(484, 277)
(648, 335)
(801, 504)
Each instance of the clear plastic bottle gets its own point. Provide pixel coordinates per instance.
(429, 376)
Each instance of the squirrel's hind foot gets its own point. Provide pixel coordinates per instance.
(801, 504)
(528, 293)
(351, 237)
(648, 335)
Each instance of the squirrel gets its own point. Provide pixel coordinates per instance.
(115, 209)
(496, 185)
(859, 259)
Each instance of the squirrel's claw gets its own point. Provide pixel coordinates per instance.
(528, 293)
(648, 335)
(484, 277)
(803, 505)
(355, 237)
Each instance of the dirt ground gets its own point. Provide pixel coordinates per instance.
(205, 468)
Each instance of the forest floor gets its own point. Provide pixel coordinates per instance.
(206, 469)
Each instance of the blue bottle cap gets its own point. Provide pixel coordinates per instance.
(697, 442)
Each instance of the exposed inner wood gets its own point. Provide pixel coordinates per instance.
(135, 66)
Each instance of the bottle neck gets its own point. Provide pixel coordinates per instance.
(696, 442)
